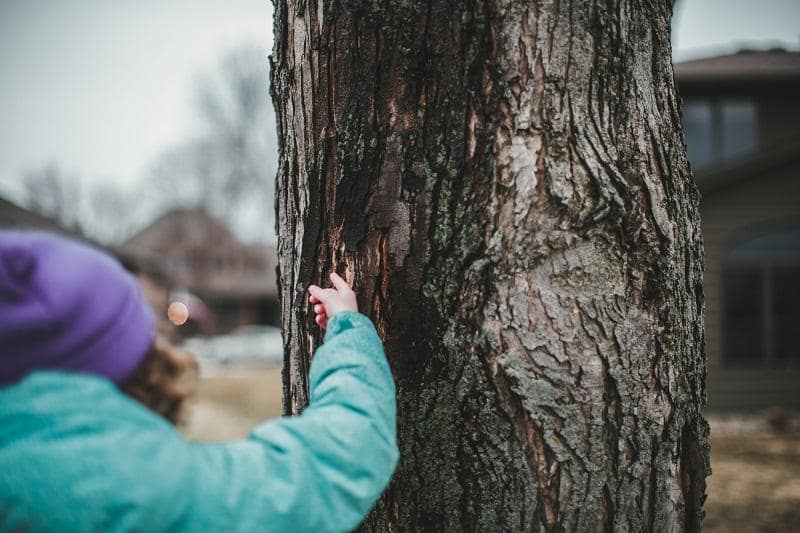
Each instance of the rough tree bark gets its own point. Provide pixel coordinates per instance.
(505, 181)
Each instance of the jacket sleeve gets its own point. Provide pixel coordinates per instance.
(324, 469)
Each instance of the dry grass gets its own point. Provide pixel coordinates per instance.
(229, 404)
(755, 485)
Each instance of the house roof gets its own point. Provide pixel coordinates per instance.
(14, 216)
(212, 263)
(744, 66)
(184, 228)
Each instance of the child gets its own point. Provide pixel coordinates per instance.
(79, 451)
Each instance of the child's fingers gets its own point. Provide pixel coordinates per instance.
(338, 282)
(321, 321)
(319, 308)
(316, 292)
(313, 299)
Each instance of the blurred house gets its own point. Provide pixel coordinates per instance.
(200, 256)
(14, 216)
(741, 116)
(156, 285)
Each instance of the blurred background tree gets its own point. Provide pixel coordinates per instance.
(228, 167)
(225, 166)
(49, 191)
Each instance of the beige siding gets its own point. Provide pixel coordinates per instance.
(779, 116)
(729, 214)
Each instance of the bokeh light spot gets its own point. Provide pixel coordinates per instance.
(178, 313)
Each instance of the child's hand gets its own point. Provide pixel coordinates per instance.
(331, 301)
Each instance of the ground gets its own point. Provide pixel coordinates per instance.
(754, 487)
(755, 482)
(231, 402)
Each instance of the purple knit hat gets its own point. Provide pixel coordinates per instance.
(67, 306)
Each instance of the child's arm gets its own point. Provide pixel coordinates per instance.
(324, 469)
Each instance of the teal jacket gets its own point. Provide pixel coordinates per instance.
(78, 455)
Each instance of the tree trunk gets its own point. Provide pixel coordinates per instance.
(505, 182)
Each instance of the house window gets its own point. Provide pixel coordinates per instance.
(719, 130)
(697, 122)
(761, 291)
(739, 123)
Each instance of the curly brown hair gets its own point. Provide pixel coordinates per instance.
(164, 380)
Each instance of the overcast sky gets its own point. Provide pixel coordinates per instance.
(709, 27)
(102, 86)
